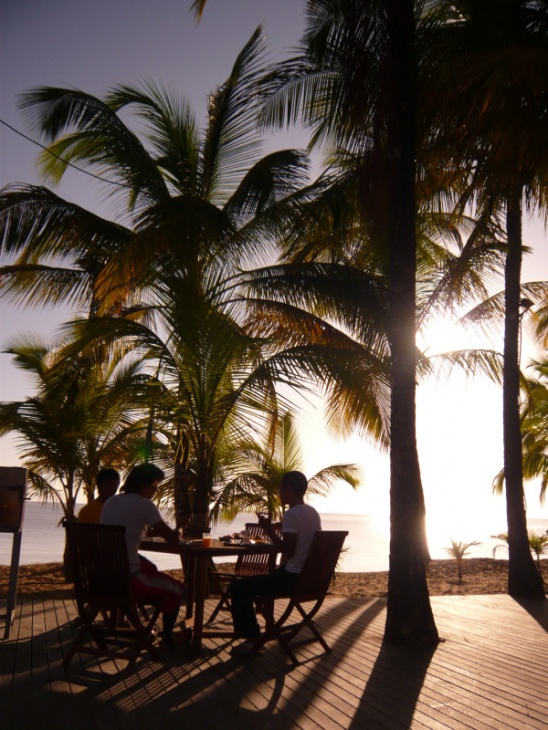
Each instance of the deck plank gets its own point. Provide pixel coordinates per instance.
(490, 672)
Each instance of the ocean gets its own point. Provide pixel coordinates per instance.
(366, 548)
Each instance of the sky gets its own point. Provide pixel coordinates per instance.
(93, 46)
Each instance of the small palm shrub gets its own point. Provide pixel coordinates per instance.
(457, 551)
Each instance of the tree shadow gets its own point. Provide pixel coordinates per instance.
(537, 608)
(215, 691)
(393, 688)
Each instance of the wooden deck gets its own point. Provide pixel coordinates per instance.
(491, 672)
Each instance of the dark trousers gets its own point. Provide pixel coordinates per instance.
(244, 590)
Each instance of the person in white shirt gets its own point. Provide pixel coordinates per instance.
(134, 509)
(299, 524)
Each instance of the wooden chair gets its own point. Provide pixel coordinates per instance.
(247, 564)
(311, 588)
(102, 589)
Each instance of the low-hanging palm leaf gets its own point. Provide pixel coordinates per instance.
(255, 487)
(534, 429)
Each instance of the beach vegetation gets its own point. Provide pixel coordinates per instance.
(227, 275)
(534, 422)
(538, 544)
(458, 551)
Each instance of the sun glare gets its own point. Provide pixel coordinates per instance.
(441, 335)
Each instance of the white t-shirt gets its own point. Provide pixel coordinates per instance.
(305, 521)
(136, 514)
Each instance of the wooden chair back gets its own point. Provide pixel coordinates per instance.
(250, 564)
(319, 566)
(100, 562)
(103, 593)
(312, 586)
(246, 564)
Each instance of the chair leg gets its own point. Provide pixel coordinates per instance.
(273, 630)
(138, 638)
(285, 636)
(223, 604)
(264, 605)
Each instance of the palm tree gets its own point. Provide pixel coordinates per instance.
(458, 551)
(538, 545)
(494, 126)
(360, 93)
(196, 207)
(354, 83)
(82, 418)
(254, 488)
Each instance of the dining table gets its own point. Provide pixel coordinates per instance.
(195, 559)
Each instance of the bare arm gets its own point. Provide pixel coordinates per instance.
(286, 544)
(161, 529)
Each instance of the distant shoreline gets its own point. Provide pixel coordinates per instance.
(481, 576)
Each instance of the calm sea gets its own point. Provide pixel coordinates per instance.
(366, 548)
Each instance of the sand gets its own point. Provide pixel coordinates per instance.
(481, 576)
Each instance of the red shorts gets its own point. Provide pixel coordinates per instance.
(149, 582)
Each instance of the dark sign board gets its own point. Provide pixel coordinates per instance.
(13, 489)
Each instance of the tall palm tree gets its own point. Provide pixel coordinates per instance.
(354, 83)
(195, 208)
(494, 126)
(341, 70)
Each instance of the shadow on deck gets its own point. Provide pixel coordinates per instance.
(491, 672)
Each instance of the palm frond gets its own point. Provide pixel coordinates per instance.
(271, 179)
(100, 140)
(171, 128)
(471, 362)
(232, 137)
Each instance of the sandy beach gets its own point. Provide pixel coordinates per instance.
(481, 576)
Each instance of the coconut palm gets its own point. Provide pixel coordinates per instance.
(538, 545)
(82, 418)
(354, 86)
(195, 207)
(494, 126)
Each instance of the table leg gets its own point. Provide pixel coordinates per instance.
(189, 570)
(200, 583)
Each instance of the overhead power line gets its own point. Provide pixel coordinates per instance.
(66, 162)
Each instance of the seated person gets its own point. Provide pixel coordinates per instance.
(134, 509)
(299, 524)
(108, 481)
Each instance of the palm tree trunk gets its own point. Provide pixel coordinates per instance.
(70, 516)
(199, 522)
(524, 579)
(182, 484)
(409, 614)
